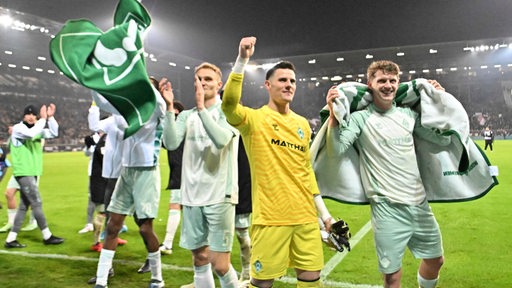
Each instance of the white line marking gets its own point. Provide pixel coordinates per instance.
(329, 266)
(335, 261)
(81, 258)
(338, 257)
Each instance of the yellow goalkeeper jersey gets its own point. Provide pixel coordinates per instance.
(277, 146)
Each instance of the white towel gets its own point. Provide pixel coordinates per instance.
(457, 172)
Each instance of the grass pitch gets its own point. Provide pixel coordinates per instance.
(476, 238)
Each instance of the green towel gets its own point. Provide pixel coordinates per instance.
(110, 63)
(457, 172)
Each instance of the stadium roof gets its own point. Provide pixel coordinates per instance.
(211, 30)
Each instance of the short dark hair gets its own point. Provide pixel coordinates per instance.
(154, 82)
(280, 65)
(178, 105)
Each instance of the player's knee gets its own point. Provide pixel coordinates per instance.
(261, 283)
(9, 193)
(309, 283)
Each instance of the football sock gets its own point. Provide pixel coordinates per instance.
(98, 223)
(424, 283)
(203, 276)
(11, 236)
(155, 264)
(11, 213)
(229, 280)
(245, 251)
(46, 233)
(104, 265)
(172, 226)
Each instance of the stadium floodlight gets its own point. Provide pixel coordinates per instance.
(267, 66)
(6, 20)
(251, 67)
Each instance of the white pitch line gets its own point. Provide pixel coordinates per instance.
(329, 266)
(335, 261)
(338, 257)
(81, 258)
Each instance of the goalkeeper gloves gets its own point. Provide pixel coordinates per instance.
(338, 237)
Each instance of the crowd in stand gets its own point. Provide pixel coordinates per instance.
(485, 105)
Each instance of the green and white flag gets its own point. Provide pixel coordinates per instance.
(110, 63)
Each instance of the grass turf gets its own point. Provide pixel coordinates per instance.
(475, 234)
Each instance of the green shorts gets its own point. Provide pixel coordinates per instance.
(212, 225)
(137, 190)
(397, 226)
(175, 196)
(243, 220)
(13, 184)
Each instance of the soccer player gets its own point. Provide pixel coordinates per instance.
(401, 215)
(137, 193)
(209, 190)
(285, 195)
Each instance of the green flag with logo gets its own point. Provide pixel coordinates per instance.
(110, 63)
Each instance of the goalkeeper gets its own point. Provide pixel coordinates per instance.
(334, 233)
(284, 228)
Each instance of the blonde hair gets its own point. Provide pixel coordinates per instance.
(385, 66)
(206, 65)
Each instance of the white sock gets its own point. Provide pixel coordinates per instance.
(229, 280)
(32, 218)
(424, 283)
(99, 222)
(11, 236)
(203, 276)
(172, 226)
(245, 251)
(46, 233)
(11, 213)
(155, 264)
(104, 265)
